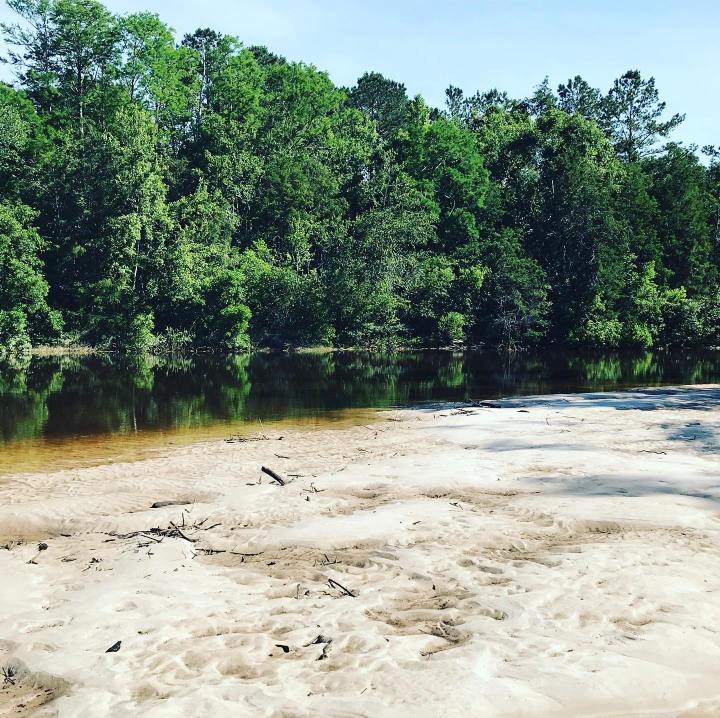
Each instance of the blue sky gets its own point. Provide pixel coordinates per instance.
(510, 44)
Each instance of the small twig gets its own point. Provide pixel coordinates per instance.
(312, 488)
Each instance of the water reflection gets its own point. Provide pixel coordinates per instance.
(57, 399)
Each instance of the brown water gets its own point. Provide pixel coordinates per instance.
(60, 412)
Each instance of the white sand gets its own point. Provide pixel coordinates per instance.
(557, 556)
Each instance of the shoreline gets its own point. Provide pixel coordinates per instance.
(556, 556)
(86, 350)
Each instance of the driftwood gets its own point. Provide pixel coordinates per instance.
(158, 534)
(273, 475)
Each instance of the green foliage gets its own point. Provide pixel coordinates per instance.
(288, 308)
(451, 328)
(632, 115)
(163, 196)
(384, 101)
(14, 336)
(25, 313)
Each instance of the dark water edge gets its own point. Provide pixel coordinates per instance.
(68, 401)
(58, 397)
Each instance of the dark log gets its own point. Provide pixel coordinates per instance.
(163, 504)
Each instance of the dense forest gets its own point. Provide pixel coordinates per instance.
(161, 195)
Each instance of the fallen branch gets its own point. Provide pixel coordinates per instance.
(334, 584)
(273, 475)
(179, 533)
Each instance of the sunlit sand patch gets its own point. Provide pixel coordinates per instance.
(412, 575)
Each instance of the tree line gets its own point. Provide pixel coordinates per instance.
(163, 195)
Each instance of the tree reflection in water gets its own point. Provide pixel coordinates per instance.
(62, 397)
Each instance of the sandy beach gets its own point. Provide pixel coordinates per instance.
(543, 556)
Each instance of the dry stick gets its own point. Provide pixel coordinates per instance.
(273, 475)
(335, 584)
(263, 429)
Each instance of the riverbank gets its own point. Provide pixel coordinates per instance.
(550, 556)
